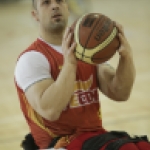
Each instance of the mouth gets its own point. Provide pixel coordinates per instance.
(55, 16)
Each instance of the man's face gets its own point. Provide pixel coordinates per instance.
(51, 14)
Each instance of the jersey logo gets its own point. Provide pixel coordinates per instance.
(84, 94)
(60, 67)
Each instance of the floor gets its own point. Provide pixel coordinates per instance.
(18, 30)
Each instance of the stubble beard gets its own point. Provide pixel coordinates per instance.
(57, 27)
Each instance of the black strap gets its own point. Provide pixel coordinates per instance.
(115, 145)
(53, 142)
(96, 142)
(140, 138)
(28, 143)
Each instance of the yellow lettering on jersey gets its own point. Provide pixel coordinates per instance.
(83, 85)
(60, 67)
(100, 114)
(74, 101)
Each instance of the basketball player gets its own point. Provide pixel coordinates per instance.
(58, 94)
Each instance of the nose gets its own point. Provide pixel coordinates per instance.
(54, 5)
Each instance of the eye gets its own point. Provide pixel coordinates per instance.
(46, 2)
(59, 1)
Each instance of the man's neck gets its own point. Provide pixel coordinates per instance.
(55, 39)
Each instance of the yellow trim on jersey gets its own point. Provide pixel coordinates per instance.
(37, 119)
(100, 114)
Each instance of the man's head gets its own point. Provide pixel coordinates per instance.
(52, 15)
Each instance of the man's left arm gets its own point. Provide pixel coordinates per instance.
(117, 84)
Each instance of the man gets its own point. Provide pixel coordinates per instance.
(58, 94)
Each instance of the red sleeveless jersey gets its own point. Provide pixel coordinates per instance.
(83, 111)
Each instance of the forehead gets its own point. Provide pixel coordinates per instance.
(48, 0)
(36, 3)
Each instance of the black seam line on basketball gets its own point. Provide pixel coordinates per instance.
(91, 33)
(108, 44)
(110, 41)
(103, 50)
(94, 58)
(100, 58)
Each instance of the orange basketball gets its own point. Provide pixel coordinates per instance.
(97, 38)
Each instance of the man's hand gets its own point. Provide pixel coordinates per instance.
(117, 84)
(124, 49)
(68, 50)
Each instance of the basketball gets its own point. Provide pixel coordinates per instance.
(97, 38)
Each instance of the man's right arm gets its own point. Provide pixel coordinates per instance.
(50, 98)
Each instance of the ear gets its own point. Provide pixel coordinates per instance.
(35, 14)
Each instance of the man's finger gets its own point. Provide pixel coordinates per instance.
(120, 28)
(66, 32)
